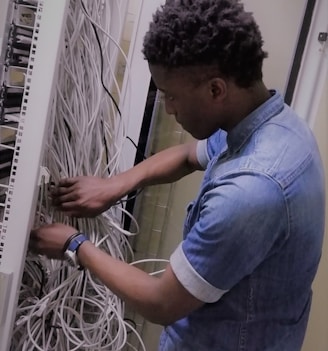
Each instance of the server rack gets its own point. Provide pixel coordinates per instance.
(28, 73)
(33, 84)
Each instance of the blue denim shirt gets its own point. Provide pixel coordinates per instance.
(252, 237)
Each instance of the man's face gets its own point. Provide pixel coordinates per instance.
(191, 104)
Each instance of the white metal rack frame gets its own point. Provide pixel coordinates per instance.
(5, 12)
(22, 191)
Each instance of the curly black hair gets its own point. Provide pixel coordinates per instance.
(216, 33)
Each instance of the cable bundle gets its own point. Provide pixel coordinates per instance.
(62, 308)
(88, 130)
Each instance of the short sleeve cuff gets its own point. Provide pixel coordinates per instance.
(202, 154)
(191, 280)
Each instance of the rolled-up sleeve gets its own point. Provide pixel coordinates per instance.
(240, 219)
(210, 147)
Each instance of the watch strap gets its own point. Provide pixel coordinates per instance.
(72, 246)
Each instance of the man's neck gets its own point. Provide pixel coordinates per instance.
(244, 101)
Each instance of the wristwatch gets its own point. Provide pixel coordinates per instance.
(71, 248)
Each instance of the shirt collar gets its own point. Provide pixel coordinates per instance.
(244, 129)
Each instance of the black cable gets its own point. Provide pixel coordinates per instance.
(135, 193)
(102, 78)
(101, 62)
(141, 154)
(132, 322)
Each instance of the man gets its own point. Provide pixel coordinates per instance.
(241, 278)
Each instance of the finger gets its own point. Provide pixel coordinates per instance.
(68, 207)
(64, 186)
(51, 186)
(35, 234)
(69, 198)
(72, 210)
(60, 190)
(67, 182)
(33, 244)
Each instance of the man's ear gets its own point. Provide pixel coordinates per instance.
(218, 88)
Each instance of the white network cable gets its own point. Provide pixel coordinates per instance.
(62, 308)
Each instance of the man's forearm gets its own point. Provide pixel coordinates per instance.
(166, 166)
(161, 300)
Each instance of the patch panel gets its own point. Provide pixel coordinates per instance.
(16, 59)
(24, 16)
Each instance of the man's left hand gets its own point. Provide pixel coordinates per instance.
(50, 239)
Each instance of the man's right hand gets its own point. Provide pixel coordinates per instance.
(86, 196)
(89, 196)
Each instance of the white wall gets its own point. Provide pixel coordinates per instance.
(317, 333)
(279, 22)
